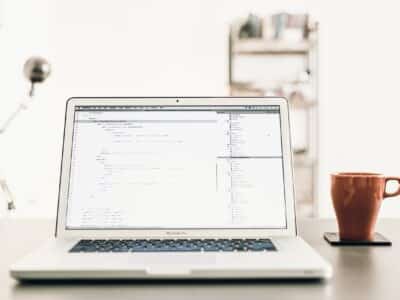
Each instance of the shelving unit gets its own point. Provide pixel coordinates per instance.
(303, 106)
(264, 47)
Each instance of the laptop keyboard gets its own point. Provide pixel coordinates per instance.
(169, 245)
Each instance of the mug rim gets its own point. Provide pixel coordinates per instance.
(357, 174)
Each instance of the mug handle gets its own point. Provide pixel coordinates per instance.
(385, 194)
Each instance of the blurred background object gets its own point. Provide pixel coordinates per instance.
(252, 28)
(282, 60)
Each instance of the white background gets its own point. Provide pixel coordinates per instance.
(125, 47)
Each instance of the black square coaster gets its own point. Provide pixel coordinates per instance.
(333, 239)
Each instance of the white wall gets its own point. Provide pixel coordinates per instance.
(133, 48)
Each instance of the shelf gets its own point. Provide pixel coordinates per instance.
(303, 106)
(250, 89)
(264, 47)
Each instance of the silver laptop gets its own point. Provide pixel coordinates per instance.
(155, 188)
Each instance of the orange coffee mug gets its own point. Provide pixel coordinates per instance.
(357, 198)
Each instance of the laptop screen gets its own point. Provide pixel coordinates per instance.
(172, 167)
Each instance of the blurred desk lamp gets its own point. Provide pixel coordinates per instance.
(36, 70)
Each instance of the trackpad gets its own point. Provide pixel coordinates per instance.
(177, 265)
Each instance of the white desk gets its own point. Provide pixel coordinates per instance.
(359, 272)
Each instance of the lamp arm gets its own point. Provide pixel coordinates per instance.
(36, 69)
(21, 107)
(9, 197)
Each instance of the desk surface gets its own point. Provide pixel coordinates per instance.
(359, 272)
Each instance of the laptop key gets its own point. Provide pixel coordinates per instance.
(211, 249)
(227, 249)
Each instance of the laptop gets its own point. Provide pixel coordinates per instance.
(175, 188)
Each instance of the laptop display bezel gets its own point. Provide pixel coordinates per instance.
(63, 231)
